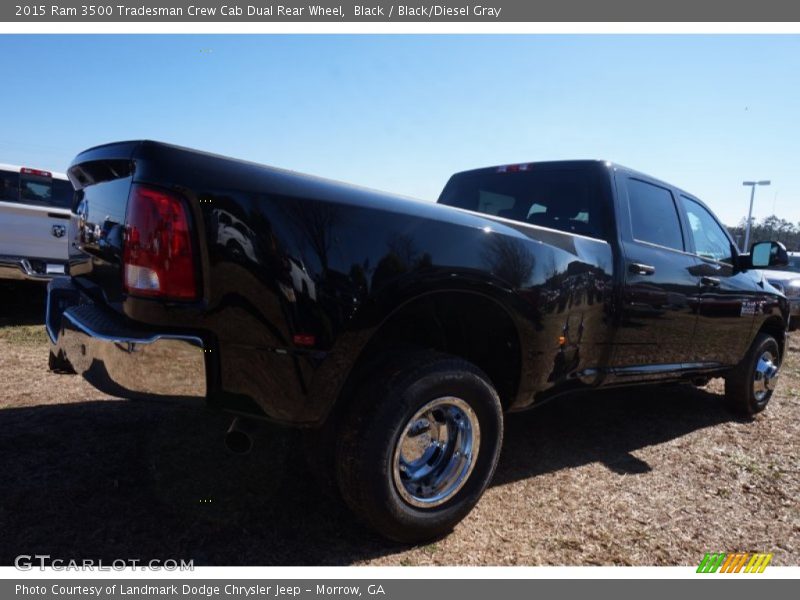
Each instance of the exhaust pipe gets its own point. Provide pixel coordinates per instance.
(238, 438)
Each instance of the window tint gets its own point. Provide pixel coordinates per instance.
(63, 193)
(44, 191)
(35, 189)
(709, 238)
(564, 199)
(492, 204)
(654, 217)
(9, 186)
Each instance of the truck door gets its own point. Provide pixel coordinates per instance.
(660, 293)
(727, 297)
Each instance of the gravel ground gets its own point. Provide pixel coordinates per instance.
(637, 477)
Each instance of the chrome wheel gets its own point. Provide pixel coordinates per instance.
(765, 376)
(436, 452)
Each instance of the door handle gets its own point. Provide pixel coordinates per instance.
(710, 281)
(640, 269)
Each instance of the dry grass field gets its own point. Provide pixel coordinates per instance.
(654, 476)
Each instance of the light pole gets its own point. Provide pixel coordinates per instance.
(752, 185)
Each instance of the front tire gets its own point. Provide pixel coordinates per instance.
(419, 445)
(749, 387)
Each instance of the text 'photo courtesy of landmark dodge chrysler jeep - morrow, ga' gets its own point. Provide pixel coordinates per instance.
(398, 332)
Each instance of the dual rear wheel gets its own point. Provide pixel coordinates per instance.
(418, 446)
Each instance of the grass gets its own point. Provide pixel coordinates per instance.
(749, 464)
(654, 476)
(30, 335)
(430, 549)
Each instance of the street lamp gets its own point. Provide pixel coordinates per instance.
(752, 185)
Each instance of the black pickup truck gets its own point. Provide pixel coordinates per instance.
(398, 332)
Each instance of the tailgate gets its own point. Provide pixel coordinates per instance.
(33, 232)
(102, 177)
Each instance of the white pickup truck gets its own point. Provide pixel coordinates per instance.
(34, 218)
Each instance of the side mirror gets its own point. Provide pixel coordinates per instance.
(768, 254)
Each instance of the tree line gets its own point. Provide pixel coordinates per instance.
(769, 228)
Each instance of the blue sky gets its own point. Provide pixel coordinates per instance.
(403, 112)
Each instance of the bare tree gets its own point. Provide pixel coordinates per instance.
(509, 260)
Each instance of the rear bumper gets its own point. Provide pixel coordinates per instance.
(119, 359)
(29, 269)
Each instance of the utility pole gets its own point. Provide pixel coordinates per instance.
(752, 185)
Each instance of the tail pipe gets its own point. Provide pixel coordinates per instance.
(239, 437)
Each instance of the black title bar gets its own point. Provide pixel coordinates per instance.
(411, 11)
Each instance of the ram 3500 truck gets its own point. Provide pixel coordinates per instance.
(34, 212)
(399, 332)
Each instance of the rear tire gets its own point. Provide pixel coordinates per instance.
(419, 445)
(749, 387)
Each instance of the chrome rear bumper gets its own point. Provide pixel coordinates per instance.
(118, 359)
(24, 269)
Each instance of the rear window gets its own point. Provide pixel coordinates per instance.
(42, 191)
(563, 199)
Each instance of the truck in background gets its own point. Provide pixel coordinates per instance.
(34, 218)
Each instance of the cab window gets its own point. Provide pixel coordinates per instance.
(654, 217)
(710, 239)
(567, 199)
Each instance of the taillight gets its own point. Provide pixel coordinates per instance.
(304, 339)
(158, 258)
(513, 168)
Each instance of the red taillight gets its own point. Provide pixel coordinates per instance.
(158, 258)
(513, 168)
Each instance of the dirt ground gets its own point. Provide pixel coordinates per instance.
(655, 476)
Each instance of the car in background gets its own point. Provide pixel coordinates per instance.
(787, 281)
(34, 218)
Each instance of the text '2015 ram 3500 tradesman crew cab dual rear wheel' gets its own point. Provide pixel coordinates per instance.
(398, 332)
